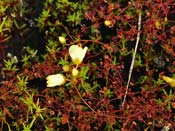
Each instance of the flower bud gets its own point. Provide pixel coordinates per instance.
(62, 39)
(107, 23)
(75, 72)
(66, 68)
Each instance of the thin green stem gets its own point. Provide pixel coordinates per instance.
(84, 100)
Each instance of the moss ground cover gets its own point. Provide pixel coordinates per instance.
(89, 65)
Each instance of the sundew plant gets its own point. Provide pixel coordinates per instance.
(99, 65)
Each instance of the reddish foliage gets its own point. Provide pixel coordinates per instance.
(141, 108)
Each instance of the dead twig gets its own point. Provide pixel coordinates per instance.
(133, 58)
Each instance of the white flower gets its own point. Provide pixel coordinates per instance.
(55, 80)
(77, 53)
(75, 72)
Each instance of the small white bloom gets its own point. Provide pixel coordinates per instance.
(77, 53)
(75, 72)
(62, 39)
(55, 80)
